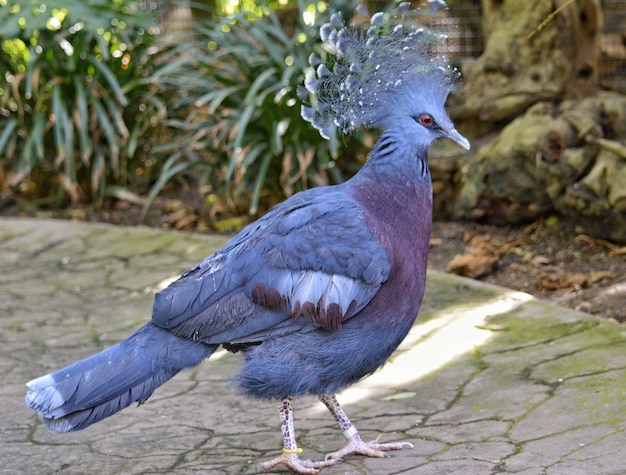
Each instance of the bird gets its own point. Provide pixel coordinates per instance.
(318, 293)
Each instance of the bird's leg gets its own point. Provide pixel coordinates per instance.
(355, 445)
(289, 457)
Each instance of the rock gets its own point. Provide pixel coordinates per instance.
(567, 158)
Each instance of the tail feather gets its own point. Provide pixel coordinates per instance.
(90, 390)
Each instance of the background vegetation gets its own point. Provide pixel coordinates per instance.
(230, 92)
(97, 100)
(69, 98)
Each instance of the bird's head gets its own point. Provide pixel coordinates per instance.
(416, 110)
(385, 77)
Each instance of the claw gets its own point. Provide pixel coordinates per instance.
(328, 455)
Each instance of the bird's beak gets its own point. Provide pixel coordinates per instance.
(458, 138)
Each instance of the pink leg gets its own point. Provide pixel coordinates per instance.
(289, 457)
(355, 445)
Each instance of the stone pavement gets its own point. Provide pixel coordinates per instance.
(489, 381)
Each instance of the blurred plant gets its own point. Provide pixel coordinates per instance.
(252, 8)
(71, 71)
(233, 112)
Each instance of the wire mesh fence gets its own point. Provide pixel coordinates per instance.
(613, 45)
(465, 38)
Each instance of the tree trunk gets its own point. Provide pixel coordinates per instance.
(535, 50)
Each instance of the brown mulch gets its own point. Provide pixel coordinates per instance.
(557, 263)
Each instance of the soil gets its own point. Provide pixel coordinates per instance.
(550, 259)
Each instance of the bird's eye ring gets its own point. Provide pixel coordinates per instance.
(426, 120)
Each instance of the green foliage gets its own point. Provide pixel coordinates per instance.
(252, 8)
(75, 109)
(233, 113)
(71, 72)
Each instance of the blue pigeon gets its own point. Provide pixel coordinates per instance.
(320, 291)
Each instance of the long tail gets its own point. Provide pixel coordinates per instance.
(90, 390)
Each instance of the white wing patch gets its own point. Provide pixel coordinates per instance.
(322, 298)
(323, 290)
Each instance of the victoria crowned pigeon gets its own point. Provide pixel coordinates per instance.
(321, 290)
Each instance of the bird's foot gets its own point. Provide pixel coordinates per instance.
(370, 449)
(293, 463)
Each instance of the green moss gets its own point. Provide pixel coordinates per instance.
(602, 396)
(515, 331)
(451, 291)
(477, 360)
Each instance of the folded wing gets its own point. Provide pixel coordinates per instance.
(312, 264)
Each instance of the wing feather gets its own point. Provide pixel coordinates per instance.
(311, 262)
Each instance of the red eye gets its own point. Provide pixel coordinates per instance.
(427, 120)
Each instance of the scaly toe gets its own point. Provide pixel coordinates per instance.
(293, 463)
(369, 449)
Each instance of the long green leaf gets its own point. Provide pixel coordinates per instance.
(68, 144)
(98, 177)
(278, 131)
(173, 66)
(34, 149)
(215, 98)
(242, 124)
(58, 123)
(170, 169)
(8, 127)
(104, 46)
(259, 82)
(110, 79)
(109, 133)
(116, 114)
(258, 183)
(133, 139)
(251, 156)
(277, 29)
(81, 120)
(269, 45)
(32, 74)
(63, 136)
(245, 117)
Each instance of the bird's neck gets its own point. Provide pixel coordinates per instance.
(398, 164)
(403, 199)
(395, 187)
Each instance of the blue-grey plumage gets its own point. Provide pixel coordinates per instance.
(317, 293)
(90, 390)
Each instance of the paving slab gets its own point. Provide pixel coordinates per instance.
(488, 381)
